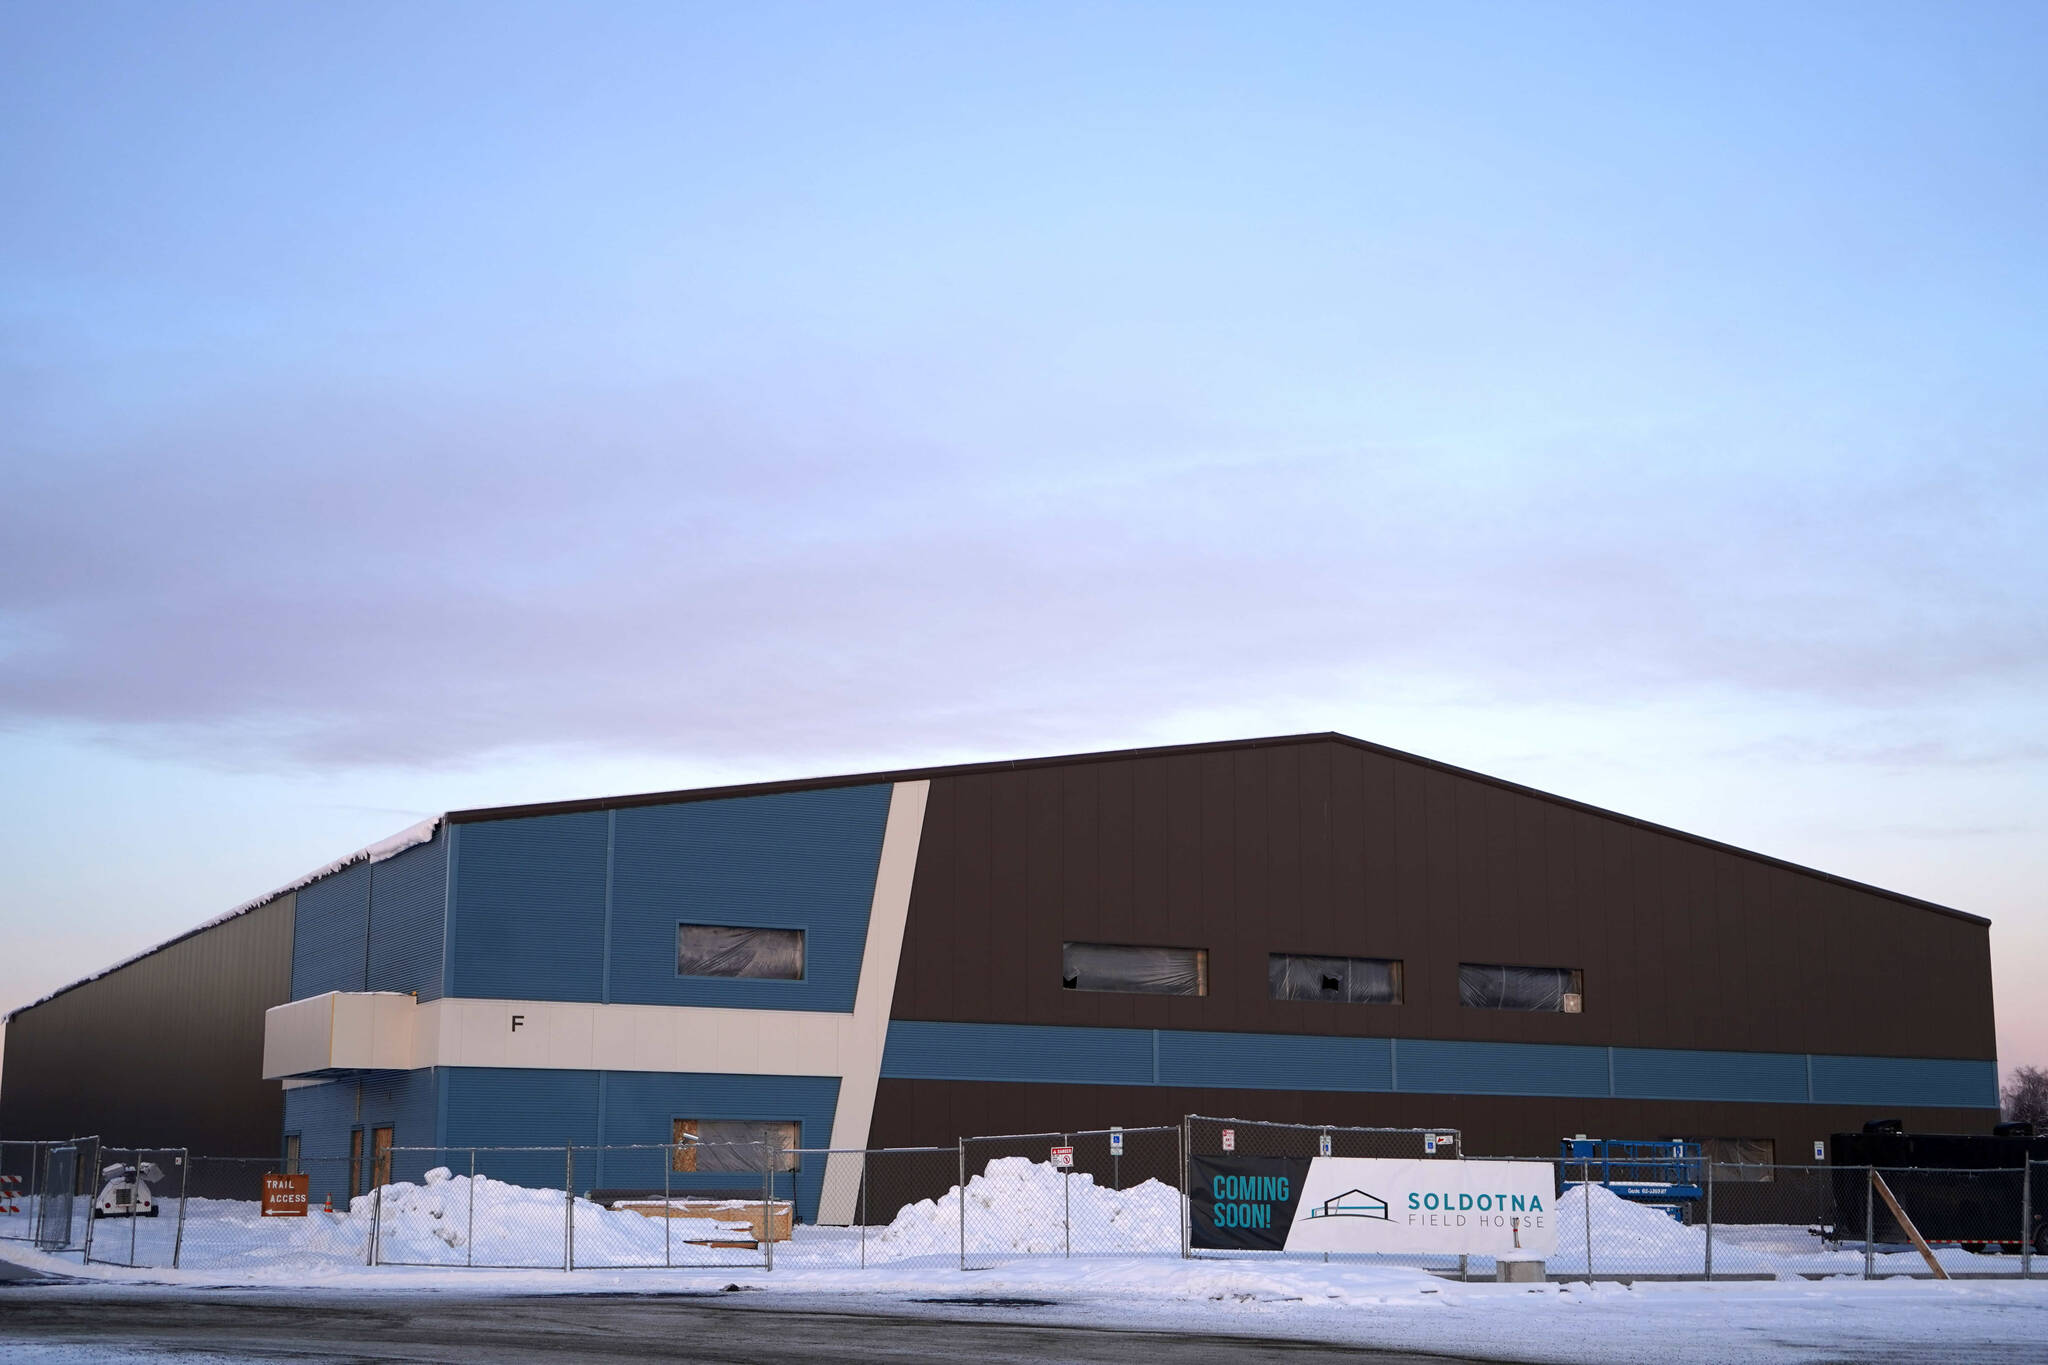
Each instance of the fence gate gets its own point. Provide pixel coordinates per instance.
(64, 1195)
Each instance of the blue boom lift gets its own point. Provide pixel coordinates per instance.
(1665, 1174)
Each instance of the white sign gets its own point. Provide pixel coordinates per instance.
(1446, 1139)
(1230, 1139)
(1462, 1207)
(1323, 1145)
(1429, 1144)
(1116, 1142)
(1063, 1157)
(1820, 1151)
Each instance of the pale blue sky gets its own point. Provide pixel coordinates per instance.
(408, 407)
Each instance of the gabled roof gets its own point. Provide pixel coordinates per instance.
(425, 830)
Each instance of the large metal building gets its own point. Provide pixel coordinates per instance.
(1306, 928)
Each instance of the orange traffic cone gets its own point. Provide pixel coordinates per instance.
(328, 1207)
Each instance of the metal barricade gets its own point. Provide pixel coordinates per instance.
(63, 1196)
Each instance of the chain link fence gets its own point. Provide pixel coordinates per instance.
(46, 1193)
(980, 1203)
(1111, 1192)
(137, 1207)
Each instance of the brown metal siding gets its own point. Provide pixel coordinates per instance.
(1331, 847)
(167, 1050)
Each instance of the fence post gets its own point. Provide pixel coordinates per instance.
(2027, 1217)
(1710, 1219)
(1187, 1243)
(1870, 1222)
(769, 1151)
(960, 1191)
(184, 1192)
(91, 1197)
(35, 1195)
(469, 1232)
(376, 1224)
(134, 1227)
(1586, 1203)
(668, 1217)
(863, 1209)
(569, 1207)
(1067, 1201)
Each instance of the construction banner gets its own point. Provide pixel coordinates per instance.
(1368, 1204)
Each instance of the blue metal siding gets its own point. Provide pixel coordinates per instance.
(330, 933)
(1658, 1074)
(640, 1107)
(1905, 1081)
(931, 1051)
(521, 1107)
(922, 1051)
(1437, 1067)
(1257, 1061)
(408, 904)
(793, 860)
(321, 1115)
(528, 912)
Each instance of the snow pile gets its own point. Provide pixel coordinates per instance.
(1020, 1207)
(1626, 1236)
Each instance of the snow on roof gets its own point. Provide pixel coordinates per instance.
(374, 853)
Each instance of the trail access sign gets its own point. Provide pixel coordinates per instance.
(1063, 1157)
(284, 1196)
(1270, 1203)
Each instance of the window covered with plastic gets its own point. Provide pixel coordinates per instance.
(1348, 980)
(734, 1144)
(1490, 986)
(1745, 1160)
(1143, 971)
(727, 950)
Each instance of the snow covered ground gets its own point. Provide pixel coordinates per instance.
(1126, 1272)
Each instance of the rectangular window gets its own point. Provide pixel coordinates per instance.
(1741, 1160)
(291, 1153)
(355, 1162)
(1348, 980)
(728, 950)
(380, 1156)
(734, 1144)
(1144, 971)
(1489, 986)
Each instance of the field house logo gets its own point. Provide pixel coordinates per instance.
(1352, 1204)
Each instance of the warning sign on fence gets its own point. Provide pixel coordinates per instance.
(1063, 1157)
(284, 1196)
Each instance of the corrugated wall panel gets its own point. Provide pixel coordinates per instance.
(1437, 1067)
(792, 860)
(1270, 1061)
(1904, 1080)
(166, 1051)
(521, 1107)
(331, 945)
(408, 905)
(1018, 1052)
(1645, 1073)
(528, 908)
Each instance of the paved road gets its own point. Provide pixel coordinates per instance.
(712, 1329)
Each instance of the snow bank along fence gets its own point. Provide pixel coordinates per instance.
(979, 1203)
